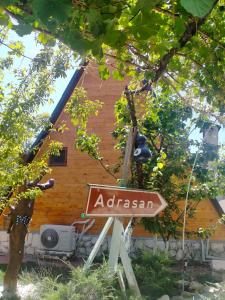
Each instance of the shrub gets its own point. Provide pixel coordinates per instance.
(153, 274)
(93, 285)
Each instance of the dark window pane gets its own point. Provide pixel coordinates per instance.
(60, 160)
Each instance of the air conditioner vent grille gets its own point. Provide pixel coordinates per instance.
(49, 238)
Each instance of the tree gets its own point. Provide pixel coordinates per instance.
(167, 123)
(179, 42)
(20, 122)
(19, 118)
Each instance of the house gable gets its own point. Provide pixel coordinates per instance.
(66, 202)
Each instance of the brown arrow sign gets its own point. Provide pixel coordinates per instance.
(111, 201)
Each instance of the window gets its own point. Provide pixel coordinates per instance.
(60, 160)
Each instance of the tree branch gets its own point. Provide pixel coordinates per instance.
(131, 106)
(1, 42)
(196, 62)
(191, 29)
(197, 107)
(166, 12)
(153, 144)
(126, 61)
(106, 169)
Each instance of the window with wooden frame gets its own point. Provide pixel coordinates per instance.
(60, 160)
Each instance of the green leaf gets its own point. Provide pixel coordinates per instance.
(23, 29)
(198, 8)
(179, 26)
(114, 37)
(146, 4)
(4, 19)
(45, 39)
(163, 155)
(117, 75)
(103, 72)
(160, 165)
(59, 10)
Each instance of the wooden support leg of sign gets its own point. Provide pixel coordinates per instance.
(115, 244)
(129, 270)
(118, 247)
(98, 243)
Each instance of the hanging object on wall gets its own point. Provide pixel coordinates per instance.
(141, 153)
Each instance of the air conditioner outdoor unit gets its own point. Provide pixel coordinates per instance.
(57, 240)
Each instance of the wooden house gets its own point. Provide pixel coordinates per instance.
(74, 170)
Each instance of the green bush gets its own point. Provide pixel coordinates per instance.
(93, 285)
(153, 274)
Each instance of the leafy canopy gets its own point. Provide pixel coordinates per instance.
(177, 41)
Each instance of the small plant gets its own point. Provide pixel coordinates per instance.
(153, 274)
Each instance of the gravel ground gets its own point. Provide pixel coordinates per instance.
(23, 290)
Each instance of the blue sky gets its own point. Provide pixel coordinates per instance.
(31, 49)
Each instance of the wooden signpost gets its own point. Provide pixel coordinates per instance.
(113, 201)
(116, 203)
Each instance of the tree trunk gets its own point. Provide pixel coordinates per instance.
(20, 217)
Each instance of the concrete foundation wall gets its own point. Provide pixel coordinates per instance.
(193, 248)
